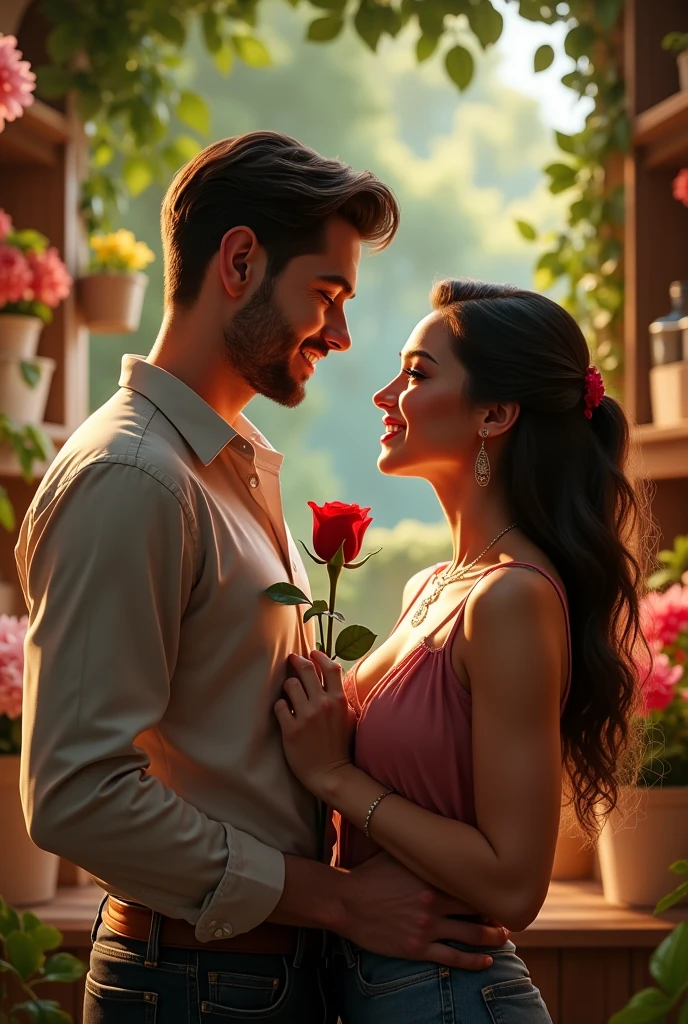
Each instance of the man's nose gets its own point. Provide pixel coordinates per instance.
(336, 333)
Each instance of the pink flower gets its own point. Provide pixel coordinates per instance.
(16, 279)
(658, 689)
(17, 81)
(5, 225)
(664, 616)
(12, 633)
(51, 280)
(680, 186)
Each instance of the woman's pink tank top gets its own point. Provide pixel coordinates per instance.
(414, 729)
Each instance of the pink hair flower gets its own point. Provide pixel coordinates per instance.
(5, 225)
(51, 281)
(680, 186)
(17, 81)
(16, 278)
(594, 390)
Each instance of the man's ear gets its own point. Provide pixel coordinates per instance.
(242, 262)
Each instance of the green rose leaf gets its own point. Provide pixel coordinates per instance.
(317, 608)
(31, 372)
(252, 51)
(322, 30)
(543, 59)
(137, 173)
(459, 65)
(425, 47)
(287, 593)
(8, 522)
(645, 1007)
(669, 962)
(63, 967)
(193, 110)
(23, 953)
(44, 1011)
(486, 22)
(353, 642)
(527, 230)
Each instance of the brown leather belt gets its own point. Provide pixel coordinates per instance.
(133, 921)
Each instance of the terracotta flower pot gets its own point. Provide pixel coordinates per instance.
(18, 399)
(28, 875)
(19, 334)
(646, 833)
(682, 61)
(112, 303)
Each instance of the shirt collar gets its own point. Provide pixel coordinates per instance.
(204, 429)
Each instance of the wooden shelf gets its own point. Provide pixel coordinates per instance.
(36, 137)
(664, 451)
(662, 131)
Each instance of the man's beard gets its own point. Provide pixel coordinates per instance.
(260, 345)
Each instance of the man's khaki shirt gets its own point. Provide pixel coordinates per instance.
(151, 753)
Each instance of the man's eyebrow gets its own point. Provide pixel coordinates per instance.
(339, 280)
(419, 352)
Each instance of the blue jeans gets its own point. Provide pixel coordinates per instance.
(131, 982)
(372, 989)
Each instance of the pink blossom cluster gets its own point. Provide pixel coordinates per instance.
(17, 81)
(680, 186)
(32, 276)
(663, 617)
(12, 633)
(51, 280)
(659, 688)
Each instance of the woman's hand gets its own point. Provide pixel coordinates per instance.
(318, 727)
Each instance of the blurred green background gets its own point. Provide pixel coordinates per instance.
(463, 166)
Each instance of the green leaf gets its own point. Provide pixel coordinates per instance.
(44, 1011)
(252, 51)
(211, 31)
(459, 65)
(669, 962)
(543, 59)
(322, 30)
(566, 142)
(65, 40)
(286, 593)
(679, 867)
(319, 646)
(527, 230)
(317, 608)
(102, 155)
(353, 642)
(8, 522)
(9, 919)
(224, 59)
(180, 151)
(558, 170)
(23, 953)
(621, 133)
(29, 240)
(579, 41)
(369, 24)
(646, 1007)
(607, 13)
(63, 967)
(31, 372)
(486, 22)
(193, 110)
(52, 82)
(169, 27)
(45, 936)
(329, 5)
(137, 174)
(681, 892)
(425, 47)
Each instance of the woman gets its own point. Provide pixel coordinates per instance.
(507, 668)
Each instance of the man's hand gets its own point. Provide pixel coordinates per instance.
(388, 910)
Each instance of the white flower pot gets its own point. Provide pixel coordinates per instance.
(18, 399)
(112, 303)
(28, 875)
(682, 61)
(19, 334)
(644, 835)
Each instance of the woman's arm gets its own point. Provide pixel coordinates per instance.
(514, 653)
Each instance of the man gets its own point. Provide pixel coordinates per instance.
(152, 756)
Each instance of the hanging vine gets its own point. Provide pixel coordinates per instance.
(122, 60)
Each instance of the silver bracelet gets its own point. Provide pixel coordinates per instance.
(372, 807)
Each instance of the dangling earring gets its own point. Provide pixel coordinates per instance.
(482, 463)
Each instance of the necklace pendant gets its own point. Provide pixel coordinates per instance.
(419, 614)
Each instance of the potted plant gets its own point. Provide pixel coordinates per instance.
(24, 941)
(649, 828)
(27, 874)
(111, 297)
(677, 42)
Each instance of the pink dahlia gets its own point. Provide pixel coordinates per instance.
(12, 633)
(16, 278)
(664, 616)
(680, 186)
(17, 81)
(51, 280)
(5, 225)
(659, 687)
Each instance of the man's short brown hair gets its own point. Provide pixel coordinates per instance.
(278, 187)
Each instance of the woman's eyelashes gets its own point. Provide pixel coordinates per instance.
(414, 374)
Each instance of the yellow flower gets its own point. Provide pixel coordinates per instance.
(120, 251)
(140, 256)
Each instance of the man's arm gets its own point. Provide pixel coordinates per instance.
(107, 566)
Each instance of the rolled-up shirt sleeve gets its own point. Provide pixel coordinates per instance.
(107, 564)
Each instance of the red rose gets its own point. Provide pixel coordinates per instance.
(335, 523)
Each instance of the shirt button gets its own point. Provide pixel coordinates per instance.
(219, 933)
(253, 481)
(227, 928)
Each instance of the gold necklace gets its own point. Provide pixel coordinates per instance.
(445, 578)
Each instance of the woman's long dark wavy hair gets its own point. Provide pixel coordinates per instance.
(568, 491)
